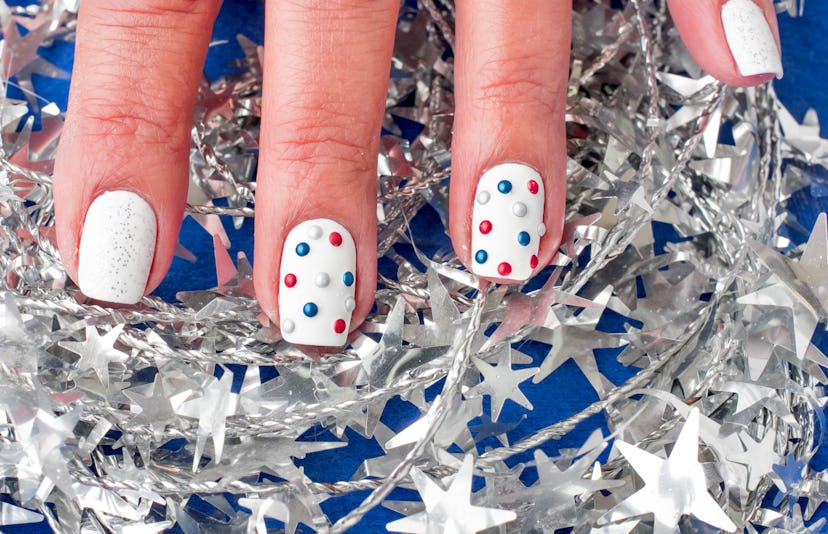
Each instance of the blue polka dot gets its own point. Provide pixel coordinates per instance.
(348, 278)
(310, 309)
(504, 186)
(523, 238)
(302, 249)
(481, 256)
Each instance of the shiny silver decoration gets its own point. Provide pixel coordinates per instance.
(128, 419)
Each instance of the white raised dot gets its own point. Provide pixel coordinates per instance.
(315, 232)
(519, 209)
(350, 304)
(322, 280)
(541, 229)
(288, 326)
(483, 197)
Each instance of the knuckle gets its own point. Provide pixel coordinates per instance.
(132, 9)
(144, 20)
(114, 124)
(324, 147)
(518, 80)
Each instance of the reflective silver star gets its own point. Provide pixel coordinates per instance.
(501, 382)
(96, 353)
(291, 508)
(212, 411)
(450, 510)
(758, 458)
(156, 409)
(674, 487)
(575, 338)
(801, 287)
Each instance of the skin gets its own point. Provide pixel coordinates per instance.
(137, 68)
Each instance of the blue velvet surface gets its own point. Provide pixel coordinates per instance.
(805, 59)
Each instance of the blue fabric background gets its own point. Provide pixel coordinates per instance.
(805, 60)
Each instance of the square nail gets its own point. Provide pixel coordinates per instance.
(317, 284)
(750, 39)
(507, 222)
(117, 247)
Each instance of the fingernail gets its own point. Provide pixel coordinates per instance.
(507, 222)
(750, 39)
(317, 283)
(117, 247)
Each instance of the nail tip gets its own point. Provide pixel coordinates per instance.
(317, 284)
(111, 298)
(315, 342)
(507, 223)
(117, 247)
(752, 43)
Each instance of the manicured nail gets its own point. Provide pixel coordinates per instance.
(117, 247)
(750, 39)
(316, 286)
(507, 222)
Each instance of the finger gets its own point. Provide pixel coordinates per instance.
(121, 168)
(737, 41)
(509, 159)
(326, 67)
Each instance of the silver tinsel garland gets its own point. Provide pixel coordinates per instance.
(128, 420)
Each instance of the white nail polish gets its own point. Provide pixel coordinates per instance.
(317, 283)
(507, 222)
(750, 39)
(117, 247)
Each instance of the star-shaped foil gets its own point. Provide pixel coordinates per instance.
(156, 408)
(450, 510)
(501, 382)
(801, 287)
(674, 487)
(96, 353)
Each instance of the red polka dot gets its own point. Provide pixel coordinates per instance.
(339, 326)
(485, 227)
(335, 238)
(290, 279)
(504, 269)
(533, 187)
(533, 262)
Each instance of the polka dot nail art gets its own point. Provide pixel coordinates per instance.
(317, 283)
(507, 222)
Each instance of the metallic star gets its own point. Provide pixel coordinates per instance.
(750, 396)
(806, 136)
(255, 455)
(211, 410)
(555, 495)
(758, 457)
(501, 382)
(673, 487)
(291, 508)
(800, 286)
(156, 409)
(96, 353)
(450, 510)
(575, 338)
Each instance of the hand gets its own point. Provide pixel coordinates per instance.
(121, 171)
